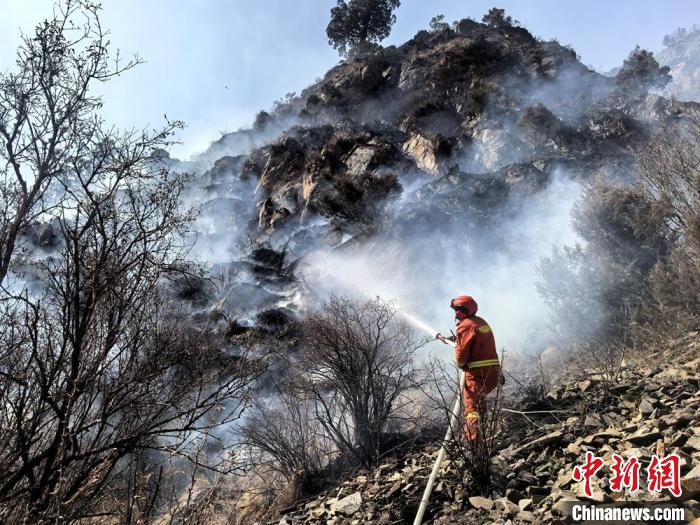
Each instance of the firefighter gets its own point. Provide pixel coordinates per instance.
(475, 353)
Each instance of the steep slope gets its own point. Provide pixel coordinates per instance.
(647, 410)
(453, 131)
(430, 164)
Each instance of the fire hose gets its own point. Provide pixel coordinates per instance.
(454, 416)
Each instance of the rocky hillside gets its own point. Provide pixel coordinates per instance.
(453, 130)
(447, 140)
(646, 410)
(681, 53)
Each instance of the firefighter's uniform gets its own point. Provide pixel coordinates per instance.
(475, 353)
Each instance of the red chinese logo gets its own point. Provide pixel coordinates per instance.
(625, 474)
(587, 471)
(665, 474)
(662, 473)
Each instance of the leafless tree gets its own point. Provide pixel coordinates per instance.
(95, 371)
(48, 114)
(669, 170)
(637, 277)
(103, 385)
(356, 363)
(287, 433)
(289, 454)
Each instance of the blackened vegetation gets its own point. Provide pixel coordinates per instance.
(629, 279)
(343, 172)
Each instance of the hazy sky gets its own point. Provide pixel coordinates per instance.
(215, 63)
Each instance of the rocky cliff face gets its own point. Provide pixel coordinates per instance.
(455, 128)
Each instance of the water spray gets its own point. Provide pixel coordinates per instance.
(417, 322)
(367, 287)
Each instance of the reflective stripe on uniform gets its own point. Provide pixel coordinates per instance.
(485, 362)
(484, 329)
(473, 415)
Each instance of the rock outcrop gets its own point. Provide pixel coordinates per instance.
(457, 128)
(457, 103)
(681, 53)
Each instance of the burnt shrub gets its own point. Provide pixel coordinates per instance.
(592, 287)
(356, 364)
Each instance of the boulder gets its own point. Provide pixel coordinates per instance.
(584, 386)
(692, 443)
(359, 160)
(525, 504)
(526, 516)
(645, 407)
(563, 506)
(552, 437)
(506, 506)
(348, 505)
(480, 502)
(267, 257)
(593, 420)
(645, 438)
(494, 148)
(597, 494)
(412, 76)
(690, 483)
(424, 151)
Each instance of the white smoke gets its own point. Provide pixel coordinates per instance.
(422, 274)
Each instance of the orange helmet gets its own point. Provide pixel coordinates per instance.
(465, 304)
